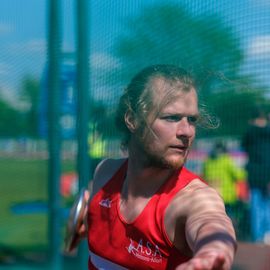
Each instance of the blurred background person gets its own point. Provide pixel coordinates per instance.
(221, 172)
(256, 143)
(97, 148)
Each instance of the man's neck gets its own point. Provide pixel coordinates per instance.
(144, 180)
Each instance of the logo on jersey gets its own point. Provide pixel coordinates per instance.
(106, 203)
(145, 251)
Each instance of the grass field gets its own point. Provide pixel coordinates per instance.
(24, 235)
(24, 181)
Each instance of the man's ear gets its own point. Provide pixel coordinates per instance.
(130, 121)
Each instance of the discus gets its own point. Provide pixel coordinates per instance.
(75, 220)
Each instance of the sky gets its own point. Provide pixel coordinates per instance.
(23, 33)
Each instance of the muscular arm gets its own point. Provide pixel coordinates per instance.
(208, 230)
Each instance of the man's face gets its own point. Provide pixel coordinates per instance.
(168, 140)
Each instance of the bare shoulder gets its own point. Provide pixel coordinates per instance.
(197, 197)
(104, 171)
(193, 207)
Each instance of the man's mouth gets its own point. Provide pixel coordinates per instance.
(180, 148)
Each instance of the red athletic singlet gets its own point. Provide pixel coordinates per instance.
(141, 244)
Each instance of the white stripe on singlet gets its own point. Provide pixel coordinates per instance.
(104, 264)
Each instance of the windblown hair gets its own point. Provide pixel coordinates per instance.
(137, 97)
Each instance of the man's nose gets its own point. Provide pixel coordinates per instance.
(185, 128)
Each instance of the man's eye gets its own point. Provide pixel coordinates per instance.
(172, 118)
(192, 119)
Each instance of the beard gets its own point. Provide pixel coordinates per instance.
(156, 158)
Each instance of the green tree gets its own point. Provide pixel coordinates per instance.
(204, 45)
(30, 88)
(10, 120)
(234, 107)
(169, 34)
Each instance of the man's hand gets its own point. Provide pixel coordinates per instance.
(77, 224)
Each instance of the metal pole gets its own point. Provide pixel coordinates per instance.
(83, 162)
(54, 137)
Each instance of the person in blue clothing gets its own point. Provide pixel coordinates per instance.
(256, 143)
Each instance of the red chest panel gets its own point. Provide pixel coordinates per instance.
(142, 244)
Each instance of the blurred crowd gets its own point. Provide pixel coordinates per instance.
(245, 190)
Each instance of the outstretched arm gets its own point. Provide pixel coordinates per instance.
(209, 231)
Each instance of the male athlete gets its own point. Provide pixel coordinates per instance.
(148, 211)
